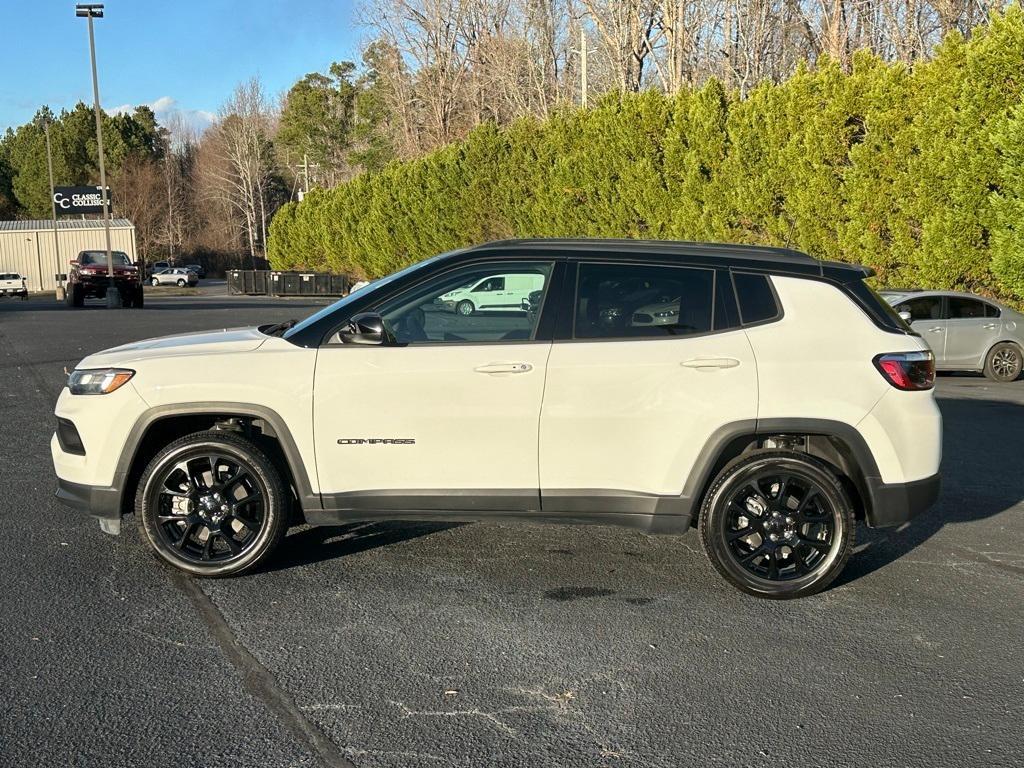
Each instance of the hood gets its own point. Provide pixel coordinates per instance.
(228, 340)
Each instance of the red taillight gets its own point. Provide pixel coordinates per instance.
(909, 371)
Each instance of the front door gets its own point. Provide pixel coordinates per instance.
(446, 418)
(926, 317)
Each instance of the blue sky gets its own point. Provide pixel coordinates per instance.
(183, 56)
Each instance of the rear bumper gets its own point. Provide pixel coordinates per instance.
(893, 504)
(104, 503)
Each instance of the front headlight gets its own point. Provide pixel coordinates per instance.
(100, 381)
(667, 313)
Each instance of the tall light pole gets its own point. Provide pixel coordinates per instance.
(53, 211)
(95, 11)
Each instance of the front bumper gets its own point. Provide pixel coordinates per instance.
(104, 503)
(893, 504)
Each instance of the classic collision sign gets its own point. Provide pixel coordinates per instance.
(79, 200)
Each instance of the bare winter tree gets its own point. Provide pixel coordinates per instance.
(238, 163)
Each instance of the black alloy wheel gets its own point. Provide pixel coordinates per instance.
(777, 524)
(211, 503)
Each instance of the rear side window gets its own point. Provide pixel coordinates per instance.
(966, 309)
(634, 300)
(756, 298)
(991, 311)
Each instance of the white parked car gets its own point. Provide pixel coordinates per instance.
(494, 293)
(743, 418)
(179, 276)
(13, 284)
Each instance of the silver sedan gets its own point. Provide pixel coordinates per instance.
(174, 276)
(966, 332)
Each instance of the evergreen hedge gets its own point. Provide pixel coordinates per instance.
(918, 173)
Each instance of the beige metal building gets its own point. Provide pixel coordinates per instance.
(27, 247)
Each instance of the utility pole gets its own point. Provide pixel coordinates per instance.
(59, 295)
(583, 67)
(95, 11)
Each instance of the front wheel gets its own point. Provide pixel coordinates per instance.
(1004, 362)
(777, 524)
(465, 308)
(212, 504)
(154, 281)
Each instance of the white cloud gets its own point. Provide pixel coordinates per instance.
(167, 112)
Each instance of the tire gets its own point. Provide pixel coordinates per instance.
(242, 507)
(74, 296)
(154, 282)
(182, 283)
(784, 494)
(465, 308)
(1004, 362)
(140, 298)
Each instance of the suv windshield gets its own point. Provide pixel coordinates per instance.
(100, 257)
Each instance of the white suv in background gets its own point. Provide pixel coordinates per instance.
(742, 416)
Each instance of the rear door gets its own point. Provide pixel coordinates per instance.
(973, 326)
(631, 401)
(928, 319)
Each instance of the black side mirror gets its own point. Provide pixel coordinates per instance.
(366, 328)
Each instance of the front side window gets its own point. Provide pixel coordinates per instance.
(924, 308)
(452, 308)
(491, 284)
(635, 300)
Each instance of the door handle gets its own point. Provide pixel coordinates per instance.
(710, 363)
(990, 326)
(504, 368)
(936, 330)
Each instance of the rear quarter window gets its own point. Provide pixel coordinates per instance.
(756, 299)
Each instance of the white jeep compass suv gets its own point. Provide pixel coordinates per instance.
(775, 401)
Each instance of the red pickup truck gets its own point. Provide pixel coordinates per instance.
(89, 279)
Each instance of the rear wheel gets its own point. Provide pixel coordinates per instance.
(181, 283)
(1004, 362)
(777, 524)
(212, 504)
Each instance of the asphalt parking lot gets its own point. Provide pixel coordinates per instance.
(495, 645)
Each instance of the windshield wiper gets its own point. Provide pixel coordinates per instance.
(278, 328)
